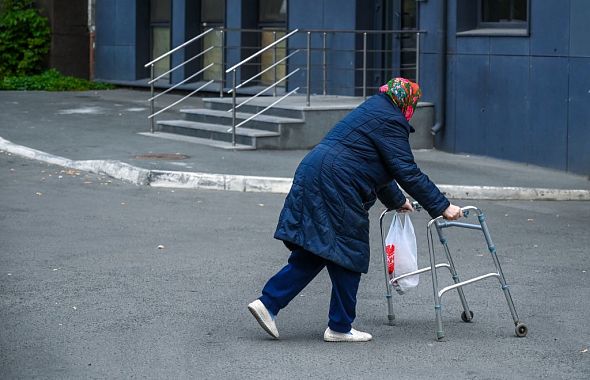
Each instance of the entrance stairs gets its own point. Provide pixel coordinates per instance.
(291, 124)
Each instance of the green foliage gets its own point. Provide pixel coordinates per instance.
(50, 80)
(24, 38)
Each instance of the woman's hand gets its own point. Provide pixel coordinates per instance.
(407, 207)
(452, 212)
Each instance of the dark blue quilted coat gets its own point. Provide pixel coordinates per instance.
(359, 160)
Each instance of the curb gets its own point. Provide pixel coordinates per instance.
(227, 182)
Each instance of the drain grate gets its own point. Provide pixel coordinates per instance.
(162, 156)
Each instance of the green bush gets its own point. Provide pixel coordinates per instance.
(50, 80)
(24, 38)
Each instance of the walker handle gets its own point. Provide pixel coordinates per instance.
(417, 206)
(466, 211)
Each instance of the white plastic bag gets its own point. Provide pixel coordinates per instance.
(402, 255)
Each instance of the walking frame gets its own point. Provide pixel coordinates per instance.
(440, 225)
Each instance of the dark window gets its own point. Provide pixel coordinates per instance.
(160, 14)
(503, 13)
(213, 11)
(272, 19)
(493, 18)
(160, 11)
(272, 11)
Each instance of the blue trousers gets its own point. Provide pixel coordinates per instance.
(302, 267)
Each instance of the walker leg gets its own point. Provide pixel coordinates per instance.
(437, 305)
(467, 314)
(521, 329)
(390, 315)
(388, 294)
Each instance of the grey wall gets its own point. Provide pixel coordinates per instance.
(70, 43)
(519, 98)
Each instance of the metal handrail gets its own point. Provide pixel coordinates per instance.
(182, 82)
(180, 100)
(264, 90)
(265, 70)
(179, 47)
(260, 51)
(153, 80)
(369, 48)
(180, 65)
(234, 68)
(266, 108)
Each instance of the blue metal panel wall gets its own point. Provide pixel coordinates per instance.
(519, 98)
(579, 36)
(509, 46)
(233, 19)
(548, 99)
(105, 12)
(115, 39)
(473, 45)
(105, 39)
(178, 37)
(320, 14)
(447, 137)
(506, 113)
(429, 84)
(471, 80)
(430, 20)
(451, 26)
(549, 26)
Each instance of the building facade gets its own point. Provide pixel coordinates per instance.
(509, 78)
(516, 87)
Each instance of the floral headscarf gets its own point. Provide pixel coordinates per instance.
(404, 93)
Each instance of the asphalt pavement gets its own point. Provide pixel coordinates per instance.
(100, 278)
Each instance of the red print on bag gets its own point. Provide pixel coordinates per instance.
(390, 250)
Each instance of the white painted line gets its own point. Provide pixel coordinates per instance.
(115, 169)
(192, 180)
(513, 193)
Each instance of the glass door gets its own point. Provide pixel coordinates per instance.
(160, 14)
(272, 19)
(408, 41)
(213, 15)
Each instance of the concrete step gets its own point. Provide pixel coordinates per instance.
(198, 140)
(263, 122)
(224, 104)
(244, 136)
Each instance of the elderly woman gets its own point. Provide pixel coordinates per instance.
(325, 219)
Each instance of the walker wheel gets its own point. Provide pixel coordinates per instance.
(465, 318)
(521, 330)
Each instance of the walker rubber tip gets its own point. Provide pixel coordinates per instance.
(391, 320)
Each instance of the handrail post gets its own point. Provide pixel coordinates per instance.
(308, 68)
(324, 64)
(222, 63)
(233, 116)
(418, 57)
(152, 122)
(274, 60)
(365, 65)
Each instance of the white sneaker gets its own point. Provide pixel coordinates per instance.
(351, 336)
(264, 318)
